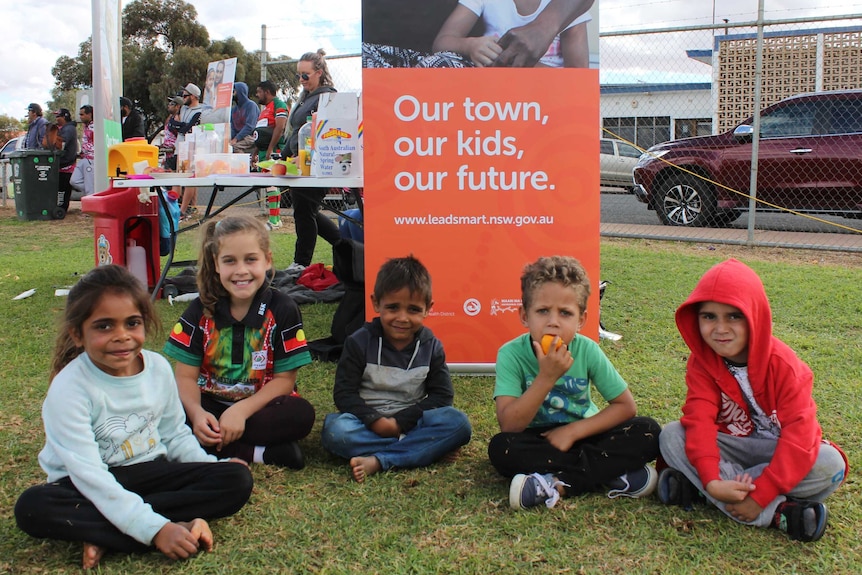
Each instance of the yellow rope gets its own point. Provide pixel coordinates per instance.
(743, 194)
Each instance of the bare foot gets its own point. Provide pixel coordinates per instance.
(452, 456)
(362, 467)
(200, 530)
(92, 555)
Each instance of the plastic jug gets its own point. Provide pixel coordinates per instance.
(122, 156)
(305, 150)
(136, 261)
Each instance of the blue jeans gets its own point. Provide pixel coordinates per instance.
(438, 432)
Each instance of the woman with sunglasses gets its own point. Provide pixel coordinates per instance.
(313, 75)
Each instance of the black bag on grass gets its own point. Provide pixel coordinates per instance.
(348, 265)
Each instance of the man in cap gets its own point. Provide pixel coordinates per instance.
(133, 122)
(67, 141)
(36, 128)
(190, 116)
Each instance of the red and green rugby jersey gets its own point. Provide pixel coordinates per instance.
(237, 358)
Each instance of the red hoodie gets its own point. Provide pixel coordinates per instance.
(782, 385)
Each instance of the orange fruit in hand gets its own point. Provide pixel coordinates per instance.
(546, 343)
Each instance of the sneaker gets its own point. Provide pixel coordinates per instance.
(801, 520)
(191, 210)
(638, 483)
(295, 267)
(273, 226)
(284, 455)
(528, 491)
(674, 488)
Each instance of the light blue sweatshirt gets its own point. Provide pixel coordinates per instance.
(94, 421)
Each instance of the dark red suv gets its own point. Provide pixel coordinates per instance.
(809, 160)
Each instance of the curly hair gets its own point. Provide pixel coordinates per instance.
(564, 270)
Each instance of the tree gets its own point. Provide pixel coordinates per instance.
(164, 48)
(168, 24)
(10, 127)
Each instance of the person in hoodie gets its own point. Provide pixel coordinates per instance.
(243, 120)
(392, 386)
(749, 440)
(313, 74)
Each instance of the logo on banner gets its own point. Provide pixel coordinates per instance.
(472, 307)
(505, 306)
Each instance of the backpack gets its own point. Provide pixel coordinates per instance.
(348, 257)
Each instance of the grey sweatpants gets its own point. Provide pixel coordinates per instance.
(751, 455)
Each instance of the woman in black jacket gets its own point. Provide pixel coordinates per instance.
(313, 75)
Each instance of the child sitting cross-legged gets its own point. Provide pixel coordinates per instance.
(554, 440)
(748, 440)
(392, 386)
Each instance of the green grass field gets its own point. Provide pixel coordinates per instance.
(455, 518)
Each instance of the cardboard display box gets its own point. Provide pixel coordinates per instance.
(338, 141)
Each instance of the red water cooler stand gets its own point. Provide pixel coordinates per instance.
(118, 217)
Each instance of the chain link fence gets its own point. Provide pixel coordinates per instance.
(804, 185)
(789, 176)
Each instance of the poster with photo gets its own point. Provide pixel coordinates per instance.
(478, 166)
(217, 91)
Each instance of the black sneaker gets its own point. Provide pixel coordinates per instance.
(284, 455)
(528, 491)
(801, 520)
(674, 488)
(638, 483)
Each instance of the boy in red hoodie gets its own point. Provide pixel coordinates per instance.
(749, 439)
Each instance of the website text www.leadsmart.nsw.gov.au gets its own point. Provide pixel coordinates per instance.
(483, 220)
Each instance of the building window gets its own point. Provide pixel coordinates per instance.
(644, 132)
(689, 127)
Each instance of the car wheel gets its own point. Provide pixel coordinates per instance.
(685, 200)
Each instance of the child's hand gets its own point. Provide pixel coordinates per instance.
(178, 542)
(206, 428)
(232, 424)
(562, 437)
(730, 491)
(556, 362)
(483, 50)
(386, 427)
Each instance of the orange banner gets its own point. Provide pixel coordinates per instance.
(478, 172)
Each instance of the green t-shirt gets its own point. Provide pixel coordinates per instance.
(569, 400)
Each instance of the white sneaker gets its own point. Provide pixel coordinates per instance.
(295, 267)
(273, 226)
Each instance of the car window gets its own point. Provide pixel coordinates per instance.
(607, 147)
(846, 117)
(628, 150)
(796, 119)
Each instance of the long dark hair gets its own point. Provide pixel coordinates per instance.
(83, 299)
(210, 288)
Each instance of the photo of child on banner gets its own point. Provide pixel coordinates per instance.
(476, 33)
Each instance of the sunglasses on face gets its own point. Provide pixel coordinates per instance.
(302, 76)
(187, 95)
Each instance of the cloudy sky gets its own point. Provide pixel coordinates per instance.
(37, 32)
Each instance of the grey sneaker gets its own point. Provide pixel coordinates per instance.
(638, 483)
(273, 226)
(528, 491)
(295, 267)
